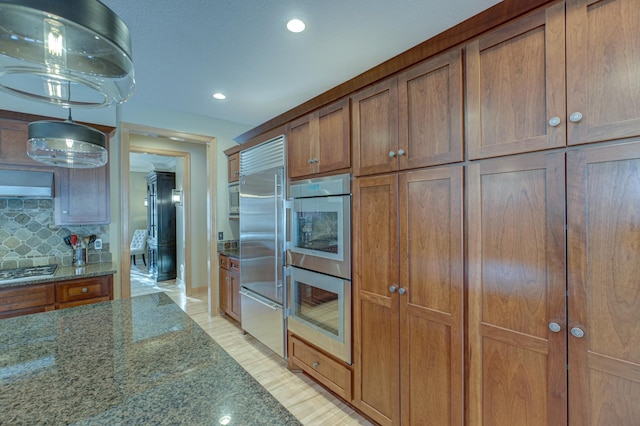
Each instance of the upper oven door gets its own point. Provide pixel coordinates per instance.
(321, 235)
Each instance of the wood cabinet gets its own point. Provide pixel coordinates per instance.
(411, 120)
(517, 365)
(408, 297)
(233, 169)
(30, 299)
(604, 290)
(516, 76)
(332, 373)
(13, 143)
(230, 287)
(603, 38)
(161, 225)
(320, 142)
(82, 196)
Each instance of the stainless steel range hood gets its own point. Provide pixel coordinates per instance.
(26, 184)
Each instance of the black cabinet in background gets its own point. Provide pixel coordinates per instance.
(161, 225)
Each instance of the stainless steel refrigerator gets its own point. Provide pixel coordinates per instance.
(262, 234)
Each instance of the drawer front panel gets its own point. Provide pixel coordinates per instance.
(26, 297)
(82, 289)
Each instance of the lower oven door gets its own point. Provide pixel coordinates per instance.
(320, 311)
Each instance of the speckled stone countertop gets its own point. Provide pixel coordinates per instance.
(138, 361)
(69, 273)
(231, 252)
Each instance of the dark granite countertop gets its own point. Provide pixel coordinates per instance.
(235, 253)
(130, 361)
(69, 273)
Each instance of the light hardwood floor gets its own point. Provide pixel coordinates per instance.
(309, 402)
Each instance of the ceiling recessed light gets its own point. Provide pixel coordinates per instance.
(219, 96)
(295, 26)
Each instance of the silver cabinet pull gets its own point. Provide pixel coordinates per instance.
(402, 291)
(392, 154)
(575, 117)
(400, 152)
(555, 327)
(255, 299)
(84, 289)
(310, 160)
(392, 288)
(577, 332)
(315, 160)
(315, 365)
(554, 122)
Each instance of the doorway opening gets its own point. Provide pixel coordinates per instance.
(198, 200)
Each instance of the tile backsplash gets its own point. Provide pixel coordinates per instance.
(29, 236)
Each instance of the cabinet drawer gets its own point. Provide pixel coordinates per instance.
(15, 298)
(224, 261)
(333, 374)
(82, 289)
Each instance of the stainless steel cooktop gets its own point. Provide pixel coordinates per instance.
(29, 273)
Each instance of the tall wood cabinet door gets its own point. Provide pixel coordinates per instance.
(430, 112)
(224, 290)
(233, 171)
(603, 44)
(604, 287)
(82, 196)
(376, 308)
(374, 127)
(515, 87)
(431, 308)
(299, 146)
(516, 238)
(333, 145)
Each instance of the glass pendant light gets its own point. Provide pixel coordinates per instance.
(67, 144)
(46, 44)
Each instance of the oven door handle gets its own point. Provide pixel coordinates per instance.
(268, 305)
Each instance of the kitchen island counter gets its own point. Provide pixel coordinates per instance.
(130, 361)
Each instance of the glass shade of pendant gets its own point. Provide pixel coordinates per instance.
(66, 144)
(48, 45)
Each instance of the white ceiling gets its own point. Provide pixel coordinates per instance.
(144, 163)
(183, 51)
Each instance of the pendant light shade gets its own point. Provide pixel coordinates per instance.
(66, 144)
(48, 45)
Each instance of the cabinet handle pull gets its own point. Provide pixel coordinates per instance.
(402, 291)
(315, 160)
(310, 160)
(554, 122)
(577, 332)
(575, 117)
(84, 289)
(392, 288)
(392, 154)
(315, 364)
(555, 327)
(400, 152)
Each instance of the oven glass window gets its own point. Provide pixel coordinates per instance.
(317, 231)
(318, 307)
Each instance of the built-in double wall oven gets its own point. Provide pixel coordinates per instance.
(319, 255)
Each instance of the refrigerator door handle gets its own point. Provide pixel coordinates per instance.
(255, 299)
(276, 206)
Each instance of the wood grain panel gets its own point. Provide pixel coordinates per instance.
(516, 287)
(604, 265)
(376, 310)
(515, 84)
(333, 147)
(375, 128)
(431, 311)
(299, 146)
(603, 44)
(430, 112)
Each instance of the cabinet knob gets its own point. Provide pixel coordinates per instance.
(575, 117)
(310, 161)
(392, 154)
(84, 289)
(400, 152)
(577, 332)
(555, 327)
(554, 122)
(315, 364)
(392, 288)
(65, 212)
(402, 291)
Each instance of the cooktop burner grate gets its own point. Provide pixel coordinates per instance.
(31, 272)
